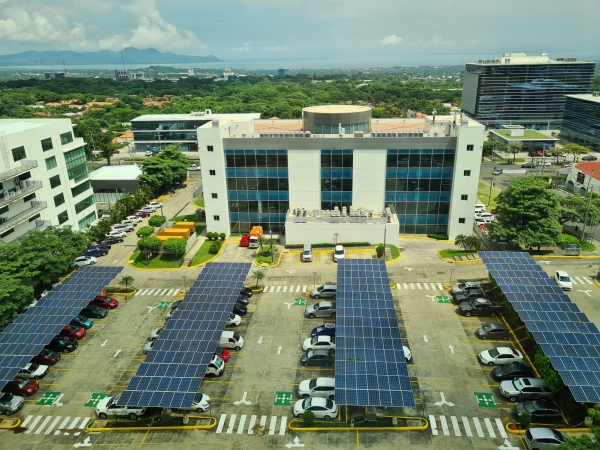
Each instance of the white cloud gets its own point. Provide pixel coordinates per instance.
(392, 39)
(243, 48)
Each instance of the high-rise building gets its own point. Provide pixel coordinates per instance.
(581, 121)
(284, 72)
(517, 89)
(44, 177)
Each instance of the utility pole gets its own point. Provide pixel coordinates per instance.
(587, 211)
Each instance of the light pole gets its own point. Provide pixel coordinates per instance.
(162, 214)
(451, 272)
(314, 279)
(335, 236)
(184, 286)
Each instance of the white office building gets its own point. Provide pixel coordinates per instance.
(44, 178)
(338, 174)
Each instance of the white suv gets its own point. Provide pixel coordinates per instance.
(563, 280)
(122, 227)
(317, 387)
(339, 253)
(117, 233)
(135, 219)
(107, 407)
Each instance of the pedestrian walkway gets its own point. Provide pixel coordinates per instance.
(285, 289)
(466, 430)
(581, 280)
(421, 286)
(161, 292)
(248, 424)
(54, 425)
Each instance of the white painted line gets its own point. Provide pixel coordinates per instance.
(170, 292)
(298, 288)
(455, 425)
(74, 423)
(398, 286)
(221, 424)
(304, 289)
(282, 425)
(164, 292)
(26, 421)
(433, 425)
(576, 280)
(52, 425)
(444, 426)
(263, 421)
(150, 292)
(426, 286)
(587, 280)
(251, 425)
(34, 423)
(501, 429)
(419, 286)
(62, 425)
(488, 424)
(140, 292)
(405, 285)
(272, 425)
(240, 429)
(440, 286)
(412, 286)
(284, 289)
(41, 427)
(467, 427)
(231, 423)
(84, 423)
(478, 427)
(278, 288)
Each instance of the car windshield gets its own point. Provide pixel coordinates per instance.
(306, 403)
(316, 306)
(563, 278)
(5, 398)
(462, 286)
(507, 369)
(34, 367)
(529, 407)
(313, 383)
(329, 404)
(339, 251)
(494, 353)
(74, 328)
(486, 327)
(321, 328)
(198, 397)
(314, 340)
(23, 383)
(231, 316)
(517, 383)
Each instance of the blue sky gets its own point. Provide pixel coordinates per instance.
(455, 32)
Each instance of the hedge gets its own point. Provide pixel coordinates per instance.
(439, 237)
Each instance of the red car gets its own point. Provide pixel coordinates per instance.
(245, 241)
(101, 301)
(73, 331)
(142, 214)
(22, 387)
(223, 353)
(46, 357)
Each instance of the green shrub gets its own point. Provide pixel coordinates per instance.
(175, 245)
(439, 237)
(547, 372)
(308, 417)
(214, 249)
(380, 250)
(525, 420)
(149, 244)
(211, 236)
(156, 221)
(145, 232)
(222, 236)
(568, 239)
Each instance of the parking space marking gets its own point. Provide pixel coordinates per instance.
(282, 426)
(478, 427)
(455, 425)
(581, 280)
(63, 425)
(82, 425)
(221, 423)
(26, 421)
(501, 429)
(240, 429)
(33, 424)
(421, 286)
(251, 426)
(444, 423)
(272, 425)
(467, 426)
(433, 425)
(53, 424)
(231, 423)
(488, 424)
(74, 423)
(412, 286)
(284, 289)
(278, 289)
(41, 427)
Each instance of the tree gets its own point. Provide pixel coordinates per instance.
(145, 232)
(162, 171)
(488, 148)
(13, 297)
(258, 275)
(175, 245)
(525, 420)
(380, 250)
(514, 149)
(575, 150)
(528, 213)
(544, 366)
(585, 442)
(459, 241)
(472, 242)
(572, 209)
(149, 244)
(126, 280)
(262, 241)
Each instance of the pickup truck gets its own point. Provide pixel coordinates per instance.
(460, 288)
(469, 294)
(479, 307)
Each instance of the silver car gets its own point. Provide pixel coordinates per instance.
(320, 309)
(523, 389)
(325, 291)
(543, 438)
(10, 404)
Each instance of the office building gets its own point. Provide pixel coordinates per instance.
(284, 72)
(529, 140)
(44, 177)
(339, 174)
(581, 121)
(517, 89)
(122, 75)
(110, 183)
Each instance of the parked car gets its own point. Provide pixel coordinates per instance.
(108, 407)
(109, 240)
(46, 357)
(155, 334)
(500, 355)
(407, 353)
(154, 205)
(544, 163)
(84, 261)
(240, 309)
(216, 367)
(193, 167)
(21, 387)
(469, 294)
(246, 291)
(338, 253)
(142, 214)
(133, 223)
(62, 344)
(466, 286)
(33, 371)
(492, 331)
(245, 241)
(134, 218)
(147, 209)
(223, 353)
(316, 358)
(589, 158)
(100, 246)
(320, 309)
(512, 371)
(73, 332)
(116, 233)
(521, 389)
(562, 279)
(10, 404)
(126, 227)
(201, 404)
(543, 438)
(325, 291)
(322, 408)
(498, 171)
(319, 342)
(327, 329)
(541, 411)
(82, 321)
(102, 301)
(234, 320)
(528, 165)
(148, 347)
(95, 251)
(149, 153)
(479, 307)
(317, 387)
(243, 300)
(93, 312)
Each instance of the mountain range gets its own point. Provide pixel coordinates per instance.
(131, 55)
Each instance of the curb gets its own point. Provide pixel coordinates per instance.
(357, 429)
(213, 423)
(121, 293)
(596, 282)
(211, 259)
(457, 262)
(269, 265)
(14, 425)
(179, 268)
(395, 259)
(567, 257)
(564, 430)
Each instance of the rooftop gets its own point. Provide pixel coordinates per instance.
(588, 168)
(528, 135)
(522, 58)
(11, 126)
(336, 109)
(195, 116)
(587, 97)
(127, 172)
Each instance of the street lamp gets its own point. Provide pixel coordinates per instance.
(184, 286)
(161, 212)
(451, 272)
(335, 236)
(314, 279)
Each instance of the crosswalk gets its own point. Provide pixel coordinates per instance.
(161, 292)
(285, 289)
(581, 280)
(421, 286)
(49, 424)
(466, 430)
(248, 424)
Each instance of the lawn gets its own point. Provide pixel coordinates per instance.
(158, 262)
(483, 194)
(185, 218)
(265, 258)
(394, 250)
(202, 254)
(451, 253)
(505, 160)
(199, 202)
(528, 135)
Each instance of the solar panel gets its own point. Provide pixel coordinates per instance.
(22, 340)
(370, 367)
(171, 374)
(564, 333)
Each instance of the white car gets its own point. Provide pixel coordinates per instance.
(148, 347)
(134, 219)
(338, 253)
(149, 153)
(127, 227)
(407, 353)
(499, 356)
(234, 320)
(154, 204)
(319, 342)
(84, 261)
(117, 233)
(201, 403)
(35, 371)
(193, 167)
(148, 209)
(563, 280)
(155, 334)
(322, 408)
(133, 223)
(544, 163)
(108, 407)
(317, 387)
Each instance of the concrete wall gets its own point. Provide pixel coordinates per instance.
(304, 176)
(314, 233)
(469, 93)
(368, 179)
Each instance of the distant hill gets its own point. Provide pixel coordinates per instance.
(130, 54)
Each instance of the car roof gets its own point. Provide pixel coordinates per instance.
(323, 381)
(541, 433)
(318, 401)
(544, 404)
(339, 247)
(534, 382)
(562, 273)
(506, 350)
(325, 303)
(324, 338)
(498, 326)
(319, 351)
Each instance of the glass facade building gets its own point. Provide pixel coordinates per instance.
(336, 179)
(581, 122)
(161, 133)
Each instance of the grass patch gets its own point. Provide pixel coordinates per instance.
(395, 250)
(505, 160)
(451, 253)
(265, 256)
(199, 202)
(186, 218)
(157, 262)
(483, 193)
(202, 255)
(587, 247)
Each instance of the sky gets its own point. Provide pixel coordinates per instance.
(433, 31)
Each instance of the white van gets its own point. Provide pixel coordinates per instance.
(230, 339)
(479, 207)
(216, 367)
(307, 253)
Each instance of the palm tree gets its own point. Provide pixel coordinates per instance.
(472, 242)
(258, 275)
(126, 280)
(262, 241)
(459, 240)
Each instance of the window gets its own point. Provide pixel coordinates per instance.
(3, 210)
(467, 173)
(82, 188)
(66, 138)
(90, 218)
(464, 197)
(51, 163)
(213, 195)
(216, 218)
(210, 148)
(29, 197)
(212, 172)
(63, 217)
(18, 153)
(76, 161)
(47, 144)
(37, 216)
(55, 181)
(59, 199)
(470, 147)
(461, 220)
(86, 203)
(6, 233)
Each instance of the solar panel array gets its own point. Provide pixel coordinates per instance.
(563, 332)
(370, 367)
(26, 337)
(171, 374)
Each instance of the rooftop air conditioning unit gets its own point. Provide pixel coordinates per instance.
(358, 134)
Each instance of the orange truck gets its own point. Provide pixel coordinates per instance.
(187, 225)
(255, 233)
(174, 232)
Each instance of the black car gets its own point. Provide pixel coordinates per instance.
(541, 411)
(93, 312)
(111, 240)
(512, 371)
(98, 244)
(589, 158)
(528, 165)
(243, 300)
(96, 251)
(246, 291)
(175, 304)
(240, 309)
(317, 358)
(62, 344)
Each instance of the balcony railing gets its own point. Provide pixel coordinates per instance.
(25, 166)
(41, 224)
(23, 188)
(11, 222)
